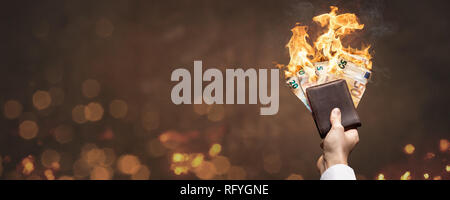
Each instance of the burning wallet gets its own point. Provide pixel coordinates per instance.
(323, 98)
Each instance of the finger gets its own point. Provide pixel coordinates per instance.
(335, 117)
(352, 136)
(321, 164)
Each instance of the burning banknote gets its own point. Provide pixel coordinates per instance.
(327, 59)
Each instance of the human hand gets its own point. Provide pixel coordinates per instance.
(338, 143)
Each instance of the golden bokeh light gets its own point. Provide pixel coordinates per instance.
(128, 164)
(63, 134)
(409, 149)
(437, 178)
(447, 168)
(215, 150)
(41, 99)
(28, 165)
(236, 173)
(65, 177)
(406, 176)
(90, 88)
(295, 177)
(179, 170)
(221, 164)
(198, 160)
(50, 158)
(205, 171)
(182, 163)
(55, 166)
(86, 148)
(93, 111)
(110, 156)
(12, 109)
(49, 174)
(201, 109)
(381, 177)
(426, 176)
(28, 129)
(100, 173)
(179, 157)
(81, 169)
(94, 156)
(429, 156)
(118, 109)
(142, 174)
(444, 145)
(171, 139)
(78, 114)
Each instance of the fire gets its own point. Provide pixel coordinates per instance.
(327, 47)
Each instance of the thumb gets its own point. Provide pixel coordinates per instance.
(321, 164)
(335, 117)
(352, 136)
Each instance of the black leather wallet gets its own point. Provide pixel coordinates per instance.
(323, 98)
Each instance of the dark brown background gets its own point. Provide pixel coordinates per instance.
(406, 102)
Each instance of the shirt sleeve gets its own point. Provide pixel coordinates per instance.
(339, 172)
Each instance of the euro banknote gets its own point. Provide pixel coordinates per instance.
(294, 83)
(355, 76)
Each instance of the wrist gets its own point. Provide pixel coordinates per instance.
(335, 160)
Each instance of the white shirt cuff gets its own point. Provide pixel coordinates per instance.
(338, 172)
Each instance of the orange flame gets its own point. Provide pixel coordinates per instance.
(328, 46)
